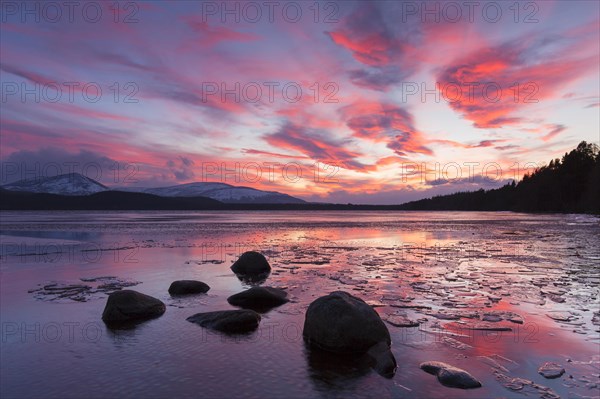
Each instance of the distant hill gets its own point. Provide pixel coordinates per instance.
(76, 184)
(66, 184)
(223, 192)
(570, 184)
(123, 200)
(106, 200)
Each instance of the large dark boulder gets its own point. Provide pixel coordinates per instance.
(187, 287)
(340, 322)
(228, 321)
(382, 359)
(344, 324)
(451, 376)
(251, 263)
(260, 299)
(130, 306)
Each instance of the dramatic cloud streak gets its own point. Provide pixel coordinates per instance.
(315, 145)
(492, 86)
(390, 124)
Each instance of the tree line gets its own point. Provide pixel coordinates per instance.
(570, 184)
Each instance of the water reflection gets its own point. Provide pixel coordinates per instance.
(253, 280)
(338, 373)
(482, 264)
(120, 337)
(129, 325)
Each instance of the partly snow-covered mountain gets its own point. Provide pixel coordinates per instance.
(77, 184)
(225, 193)
(67, 184)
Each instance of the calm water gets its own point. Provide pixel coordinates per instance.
(452, 271)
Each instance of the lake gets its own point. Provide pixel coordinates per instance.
(497, 294)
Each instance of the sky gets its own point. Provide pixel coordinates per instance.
(351, 102)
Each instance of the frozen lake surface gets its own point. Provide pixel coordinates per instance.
(496, 294)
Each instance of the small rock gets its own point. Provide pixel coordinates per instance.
(491, 317)
(251, 262)
(445, 316)
(451, 376)
(401, 321)
(551, 370)
(376, 303)
(259, 299)
(228, 321)
(560, 316)
(497, 316)
(187, 287)
(128, 305)
(487, 327)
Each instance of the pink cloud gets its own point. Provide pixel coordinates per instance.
(380, 122)
(316, 146)
(493, 85)
(209, 36)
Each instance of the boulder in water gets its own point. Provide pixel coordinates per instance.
(228, 321)
(259, 299)
(188, 287)
(451, 376)
(252, 263)
(344, 324)
(130, 306)
(340, 322)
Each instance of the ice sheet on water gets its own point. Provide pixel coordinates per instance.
(74, 291)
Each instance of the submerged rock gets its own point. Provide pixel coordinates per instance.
(445, 316)
(451, 376)
(492, 361)
(228, 321)
(482, 326)
(259, 299)
(128, 306)
(342, 323)
(57, 291)
(495, 316)
(401, 320)
(525, 387)
(187, 287)
(375, 303)
(551, 370)
(455, 343)
(251, 262)
(560, 316)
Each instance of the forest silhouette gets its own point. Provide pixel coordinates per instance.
(570, 184)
